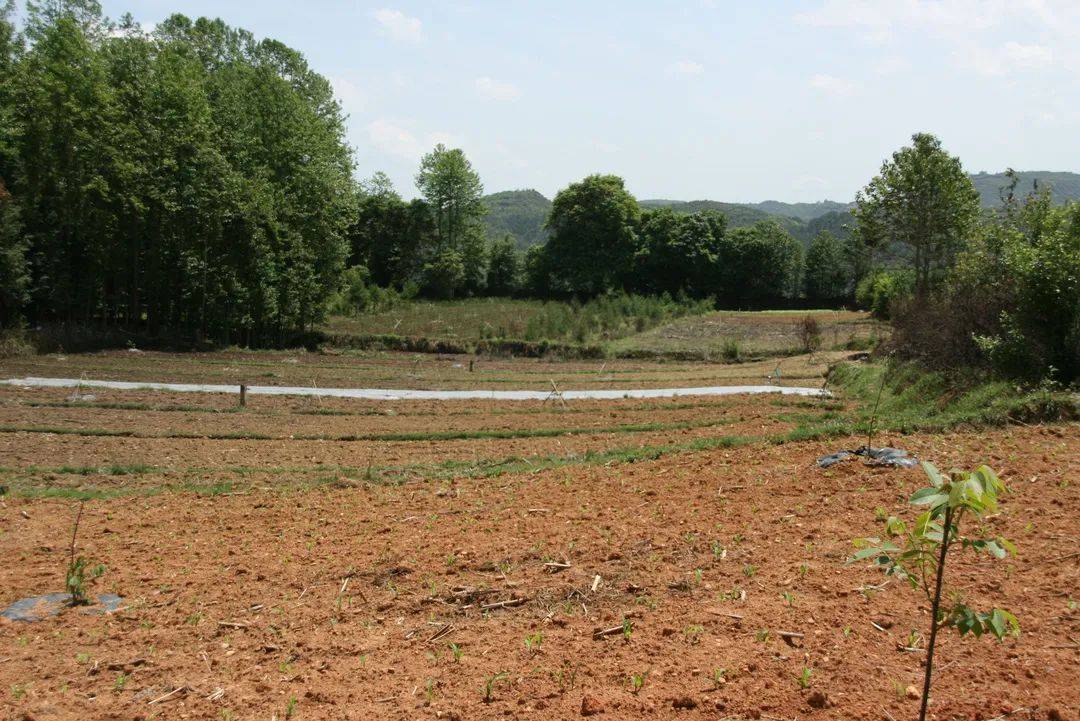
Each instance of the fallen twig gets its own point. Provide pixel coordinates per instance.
(444, 631)
(503, 604)
(172, 693)
(736, 616)
(1011, 713)
(602, 632)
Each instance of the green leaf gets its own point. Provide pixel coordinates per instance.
(928, 496)
(933, 473)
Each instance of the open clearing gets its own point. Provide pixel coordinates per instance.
(316, 558)
(710, 336)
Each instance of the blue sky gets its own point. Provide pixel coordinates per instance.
(735, 101)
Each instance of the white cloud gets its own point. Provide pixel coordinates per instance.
(1010, 57)
(883, 15)
(495, 90)
(832, 85)
(1028, 57)
(891, 65)
(440, 137)
(392, 139)
(398, 25)
(687, 67)
(971, 29)
(348, 94)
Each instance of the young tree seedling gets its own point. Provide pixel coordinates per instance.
(918, 554)
(489, 685)
(78, 570)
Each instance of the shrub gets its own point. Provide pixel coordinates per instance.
(880, 291)
(810, 333)
(1011, 303)
(359, 295)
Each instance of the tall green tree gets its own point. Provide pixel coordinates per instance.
(593, 226)
(505, 267)
(14, 278)
(391, 237)
(453, 191)
(828, 274)
(679, 252)
(194, 181)
(760, 264)
(923, 203)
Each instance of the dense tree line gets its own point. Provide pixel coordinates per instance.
(192, 180)
(1001, 292)
(195, 182)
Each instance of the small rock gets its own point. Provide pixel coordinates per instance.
(683, 702)
(1054, 715)
(912, 693)
(818, 700)
(590, 706)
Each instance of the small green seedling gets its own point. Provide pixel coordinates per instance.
(804, 678)
(627, 629)
(456, 651)
(489, 685)
(290, 708)
(533, 642)
(694, 633)
(79, 572)
(637, 682)
(719, 677)
(789, 598)
(917, 554)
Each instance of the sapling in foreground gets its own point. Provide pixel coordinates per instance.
(79, 571)
(917, 554)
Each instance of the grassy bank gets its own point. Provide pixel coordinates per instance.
(905, 398)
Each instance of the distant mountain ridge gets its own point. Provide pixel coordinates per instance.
(522, 213)
(1063, 186)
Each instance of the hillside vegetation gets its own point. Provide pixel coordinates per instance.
(522, 213)
(1064, 187)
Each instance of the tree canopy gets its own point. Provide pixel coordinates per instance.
(921, 202)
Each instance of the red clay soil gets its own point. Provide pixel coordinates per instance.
(512, 416)
(343, 603)
(407, 370)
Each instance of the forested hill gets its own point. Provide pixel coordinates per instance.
(521, 213)
(802, 211)
(1063, 186)
(738, 214)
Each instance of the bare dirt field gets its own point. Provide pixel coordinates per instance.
(329, 559)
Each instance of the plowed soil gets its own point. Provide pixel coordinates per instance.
(309, 589)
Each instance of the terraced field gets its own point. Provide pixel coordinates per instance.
(327, 558)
